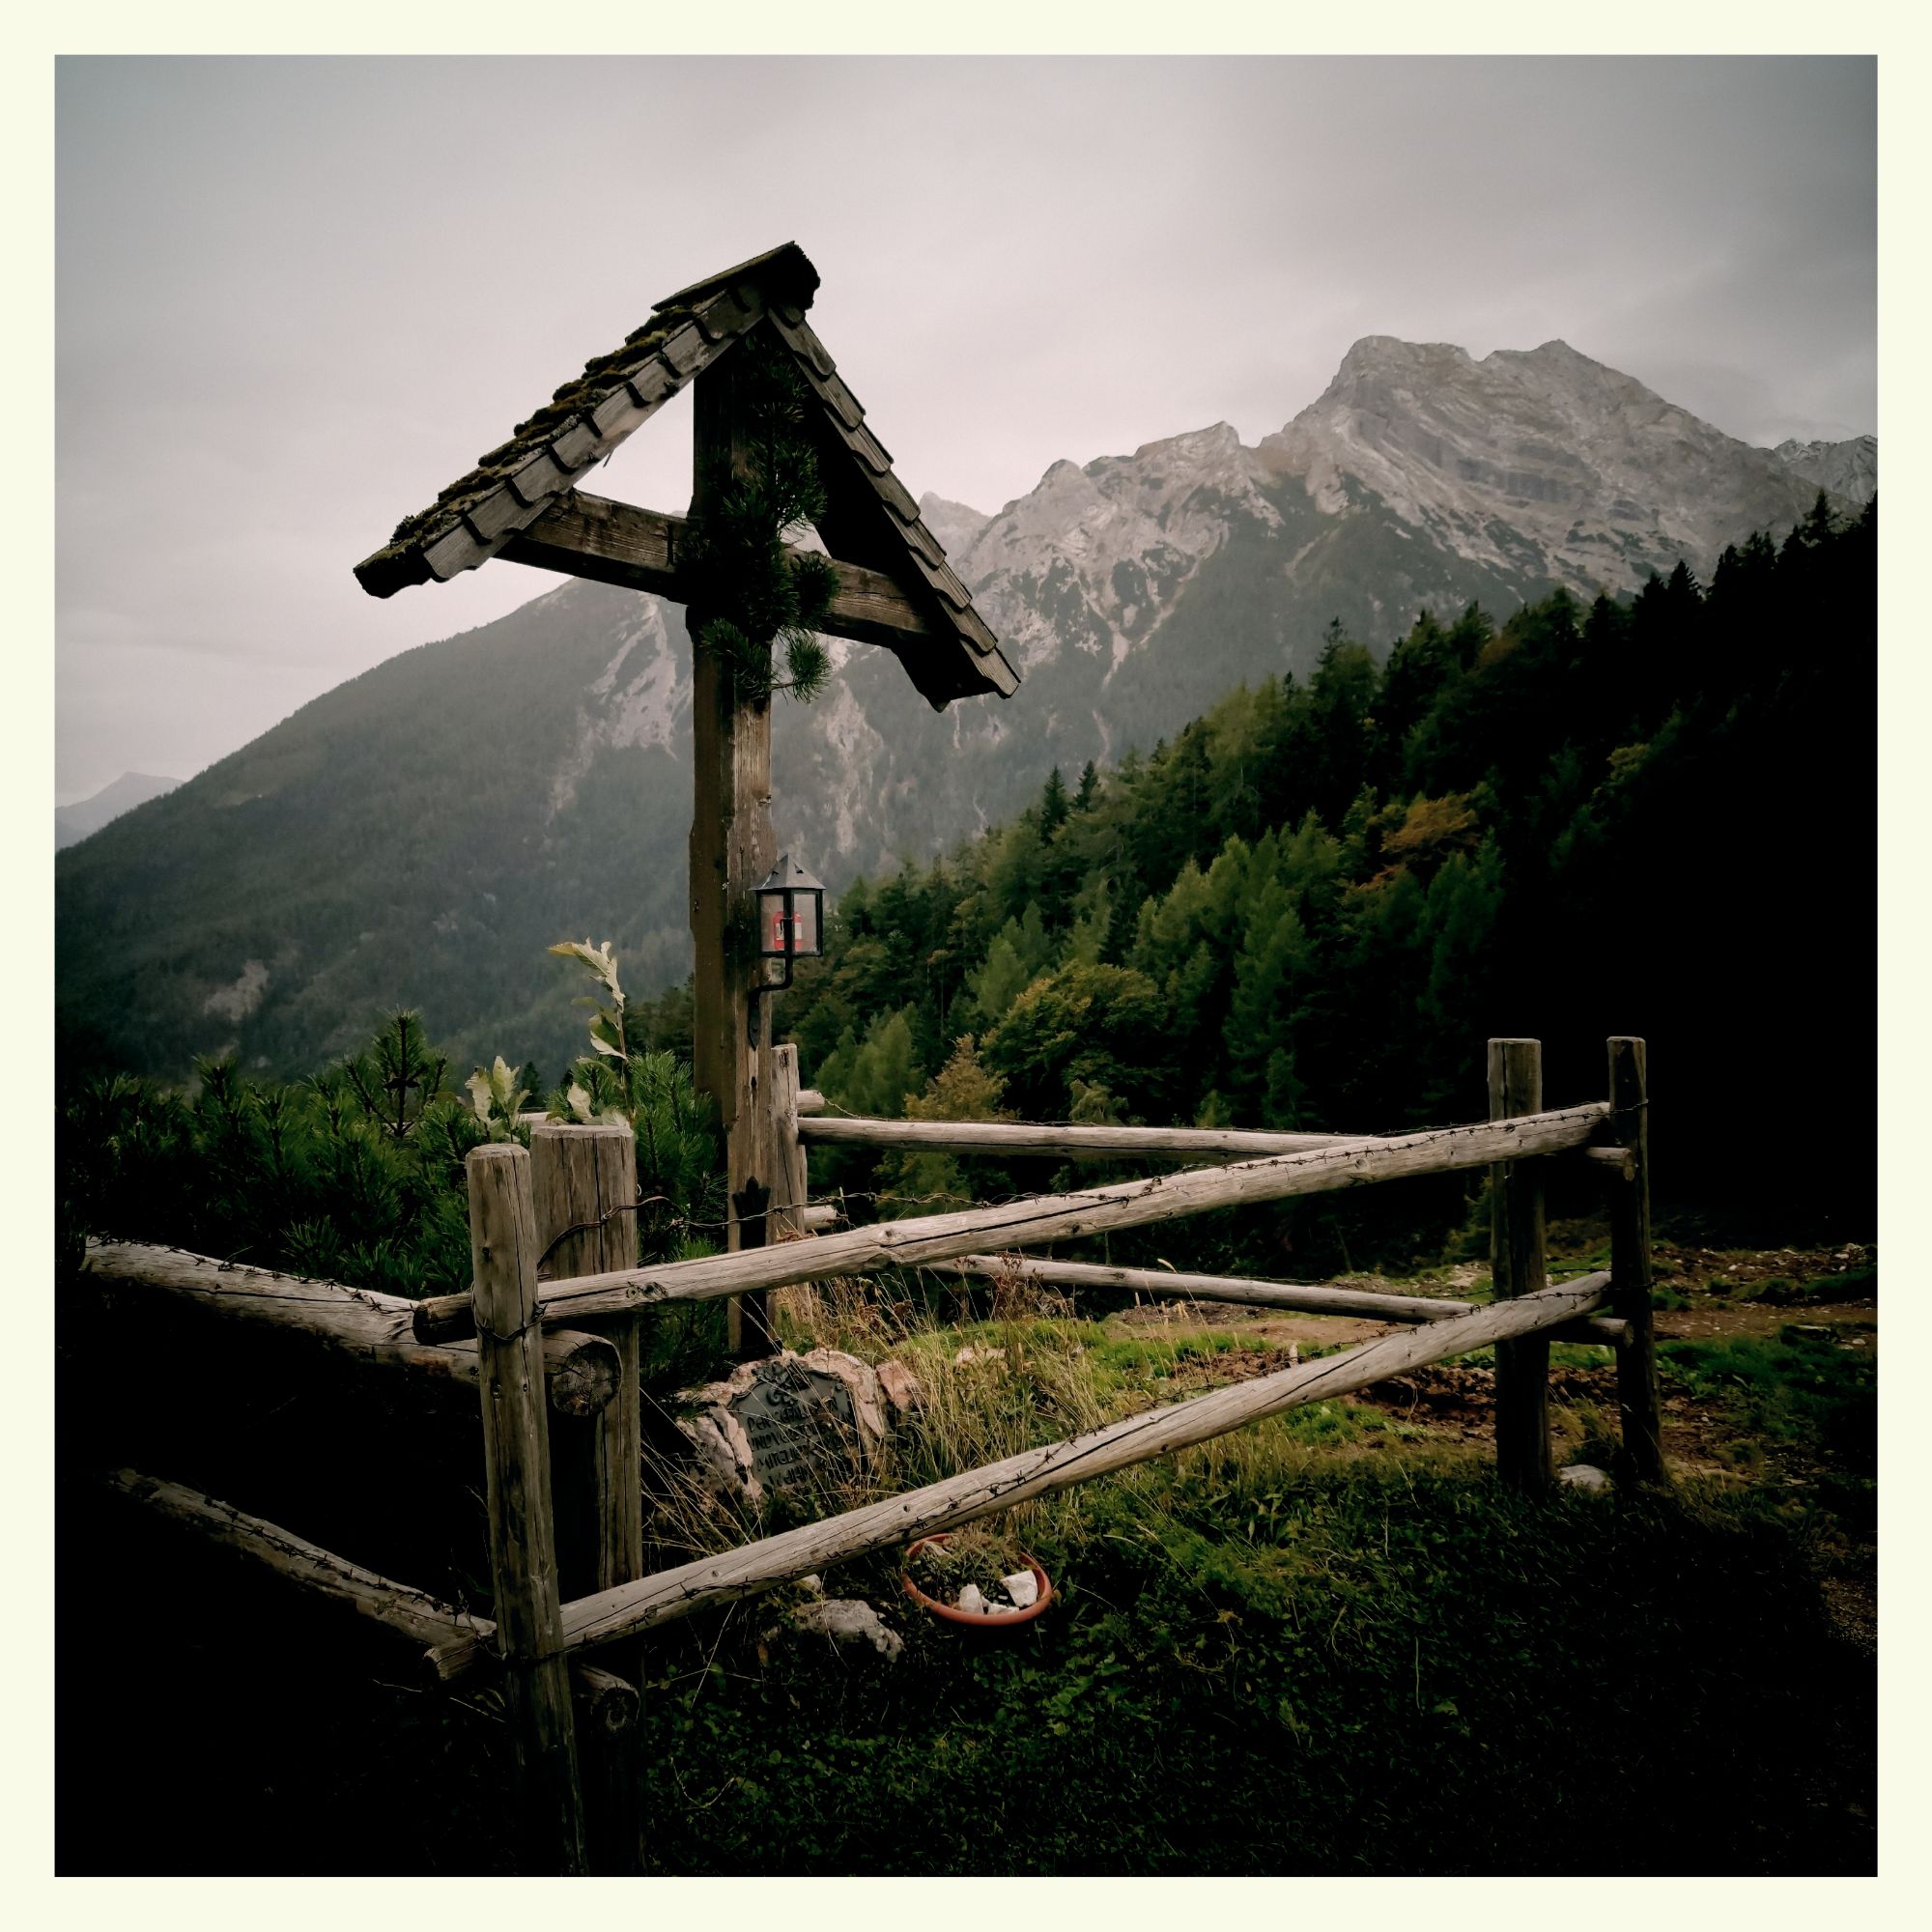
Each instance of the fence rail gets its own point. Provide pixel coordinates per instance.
(1015, 1137)
(1297, 1298)
(1035, 1219)
(509, 1336)
(669, 1594)
(580, 1371)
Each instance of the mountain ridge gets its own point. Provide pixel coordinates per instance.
(85, 816)
(418, 835)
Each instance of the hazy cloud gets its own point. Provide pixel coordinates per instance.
(296, 296)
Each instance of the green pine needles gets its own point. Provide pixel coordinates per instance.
(762, 600)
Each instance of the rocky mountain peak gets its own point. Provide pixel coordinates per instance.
(955, 524)
(1542, 463)
(1847, 468)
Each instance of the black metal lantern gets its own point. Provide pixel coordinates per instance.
(790, 907)
(789, 903)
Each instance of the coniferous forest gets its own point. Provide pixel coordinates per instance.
(1312, 907)
(1309, 910)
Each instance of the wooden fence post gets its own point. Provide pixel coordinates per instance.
(1638, 1396)
(585, 1183)
(504, 1255)
(787, 1148)
(1518, 1265)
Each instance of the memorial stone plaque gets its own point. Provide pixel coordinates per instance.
(799, 1422)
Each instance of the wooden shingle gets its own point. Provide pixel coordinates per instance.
(873, 526)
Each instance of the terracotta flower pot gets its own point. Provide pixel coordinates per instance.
(952, 1614)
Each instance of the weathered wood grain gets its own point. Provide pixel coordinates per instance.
(610, 1703)
(398, 1606)
(790, 1211)
(1518, 1266)
(583, 1181)
(1639, 1401)
(1018, 1137)
(504, 1250)
(1298, 1297)
(1036, 1220)
(607, 1705)
(582, 536)
(678, 1592)
(731, 850)
(1305, 1298)
(580, 1371)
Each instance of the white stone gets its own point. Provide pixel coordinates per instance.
(1585, 1476)
(849, 1623)
(971, 1601)
(1023, 1587)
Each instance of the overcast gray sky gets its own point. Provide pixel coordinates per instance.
(297, 296)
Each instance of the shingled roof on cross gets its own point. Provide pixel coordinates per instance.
(519, 501)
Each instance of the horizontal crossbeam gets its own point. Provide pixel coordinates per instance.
(644, 550)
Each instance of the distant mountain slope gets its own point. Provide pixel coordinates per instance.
(419, 835)
(415, 837)
(87, 815)
(1848, 468)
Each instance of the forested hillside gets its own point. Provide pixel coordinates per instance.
(1311, 908)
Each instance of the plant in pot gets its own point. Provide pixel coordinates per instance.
(977, 1577)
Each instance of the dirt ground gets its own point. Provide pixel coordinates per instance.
(1455, 1400)
(1724, 1295)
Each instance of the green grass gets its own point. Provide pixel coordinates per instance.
(1797, 1390)
(1262, 1662)
(1781, 1292)
(1328, 1642)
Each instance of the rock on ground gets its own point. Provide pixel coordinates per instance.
(851, 1626)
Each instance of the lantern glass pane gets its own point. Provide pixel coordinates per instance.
(804, 926)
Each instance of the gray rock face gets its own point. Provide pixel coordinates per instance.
(955, 524)
(1847, 470)
(1539, 462)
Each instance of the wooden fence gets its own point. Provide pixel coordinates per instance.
(556, 1365)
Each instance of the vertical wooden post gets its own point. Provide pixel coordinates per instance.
(731, 850)
(1638, 1396)
(503, 1252)
(584, 1185)
(788, 1160)
(585, 1179)
(1518, 1266)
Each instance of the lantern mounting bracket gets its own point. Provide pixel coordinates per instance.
(791, 905)
(760, 986)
